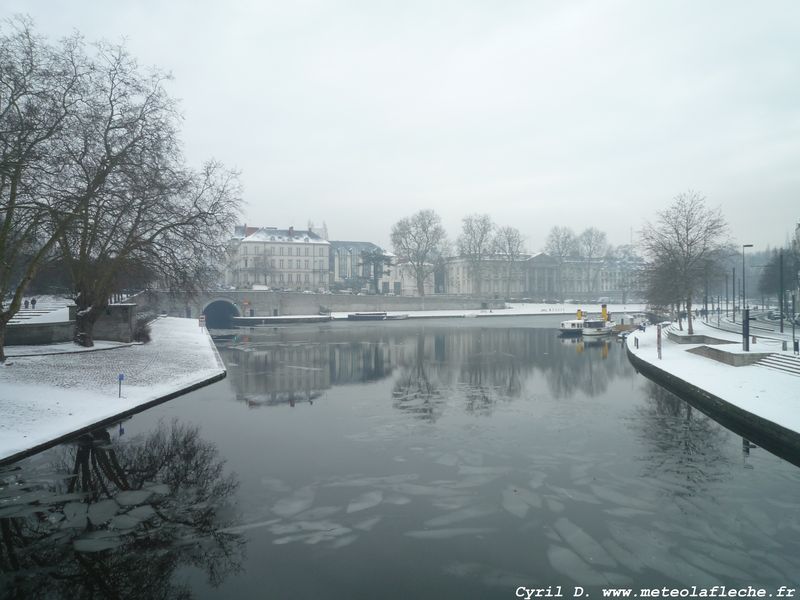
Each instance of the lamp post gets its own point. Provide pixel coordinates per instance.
(745, 311)
(744, 292)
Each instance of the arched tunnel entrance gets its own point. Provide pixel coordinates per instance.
(219, 314)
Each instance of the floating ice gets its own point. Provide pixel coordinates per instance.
(566, 562)
(446, 534)
(95, 545)
(102, 511)
(457, 516)
(514, 504)
(132, 497)
(365, 501)
(582, 543)
(301, 500)
(367, 524)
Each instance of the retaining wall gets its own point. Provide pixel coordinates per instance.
(777, 439)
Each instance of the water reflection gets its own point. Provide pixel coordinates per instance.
(684, 445)
(115, 520)
(284, 366)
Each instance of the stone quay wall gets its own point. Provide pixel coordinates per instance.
(267, 304)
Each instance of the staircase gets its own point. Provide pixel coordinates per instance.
(781, 362)
(43, 307)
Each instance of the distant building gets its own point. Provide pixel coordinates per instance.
(347, 268)
(542, 277)
(401, 281)
(278, 258)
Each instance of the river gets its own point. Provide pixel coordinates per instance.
(456, 458)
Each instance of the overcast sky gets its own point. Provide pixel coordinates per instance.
(538, 113)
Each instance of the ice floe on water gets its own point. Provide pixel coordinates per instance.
(300, 500)
(569, 564)
(582, 543)
(365, 501)
(460, 515)
(446, 534)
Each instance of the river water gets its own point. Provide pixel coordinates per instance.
(416, 459)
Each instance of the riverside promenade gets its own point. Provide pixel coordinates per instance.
(753, 393)
(48, 394)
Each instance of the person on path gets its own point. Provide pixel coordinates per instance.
(26, 304)
(33, 303)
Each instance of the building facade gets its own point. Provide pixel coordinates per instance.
(349, 268)
(541, 277)
(278, 259)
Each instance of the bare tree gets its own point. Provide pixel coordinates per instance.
(40, 89)
(419, 239)
(476, 244)
(509, 244)
(680, 245)
(142, 210)
(561, 243)
(592, 245)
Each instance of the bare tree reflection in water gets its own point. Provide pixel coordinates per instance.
(117, 520)
(477, 366)
(414, 392)
(685, 446)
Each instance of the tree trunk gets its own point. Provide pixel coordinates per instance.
(508, 282)
(689, 315)
(421, 285)
(85, 319)
(2, 340)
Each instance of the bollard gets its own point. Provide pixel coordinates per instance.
(785, 347)
(754, 340)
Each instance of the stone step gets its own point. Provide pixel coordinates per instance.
(778, 362)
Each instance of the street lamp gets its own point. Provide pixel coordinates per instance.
(744, 289)
(745, 311)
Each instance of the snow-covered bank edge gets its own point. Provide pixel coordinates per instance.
(767, 433)
(168, 388)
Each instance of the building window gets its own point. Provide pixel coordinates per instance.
(306, 250)
(290, 278)
(306, 278)
(306, 261)
(281, 250)
(281, 263)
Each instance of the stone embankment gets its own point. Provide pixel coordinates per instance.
(741, 390)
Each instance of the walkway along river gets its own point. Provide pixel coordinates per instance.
(431, 459)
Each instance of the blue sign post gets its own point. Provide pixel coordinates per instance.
(121, 377)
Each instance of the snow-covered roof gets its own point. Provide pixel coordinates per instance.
(355, 246)
(285, 236)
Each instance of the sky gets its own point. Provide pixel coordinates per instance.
(539, 113)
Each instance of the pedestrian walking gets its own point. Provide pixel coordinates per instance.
(26, 304)
(33, 303)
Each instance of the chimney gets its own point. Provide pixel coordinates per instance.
(291, 232)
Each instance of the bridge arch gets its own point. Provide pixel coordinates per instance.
(219, 313)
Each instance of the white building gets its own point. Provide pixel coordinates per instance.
(278, 259)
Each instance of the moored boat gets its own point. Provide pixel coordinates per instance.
(571, 327)
(367, 316)
(594, 327)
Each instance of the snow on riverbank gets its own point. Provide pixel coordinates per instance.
(45, 397)
(515, 309)
(769, 394)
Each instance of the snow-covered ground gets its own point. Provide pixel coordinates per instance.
(757, 389)
(45, 397)
(49, 309)
(516, 309)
